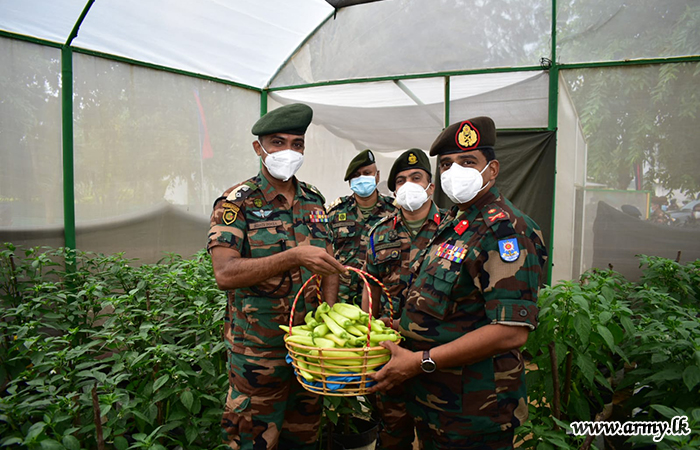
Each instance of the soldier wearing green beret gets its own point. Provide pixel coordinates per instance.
(394, 242)
(470, 306)
(351, 218)
(268, 235)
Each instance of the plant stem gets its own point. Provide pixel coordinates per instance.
(555, 380)
(98, 419)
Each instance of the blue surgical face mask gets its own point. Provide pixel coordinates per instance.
(363, 185)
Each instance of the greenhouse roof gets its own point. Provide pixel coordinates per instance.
(245, 41)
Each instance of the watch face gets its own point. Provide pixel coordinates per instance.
(428, 366)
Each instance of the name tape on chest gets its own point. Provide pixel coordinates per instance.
(451, 252)
(269, 224)
(346, 223)
(386, 245)
(509, 249)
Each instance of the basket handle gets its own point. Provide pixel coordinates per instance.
(362, 275)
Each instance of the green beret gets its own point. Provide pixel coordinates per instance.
(414, 158)
(291, 119)
(364, 158)
(472, 134)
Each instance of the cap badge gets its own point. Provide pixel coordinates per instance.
(468, 136)
(412, 159)
(370, 156)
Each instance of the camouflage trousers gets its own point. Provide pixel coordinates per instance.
(397, 430)
(267, 409)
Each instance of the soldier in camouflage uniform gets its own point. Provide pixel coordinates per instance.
(471, 305)
(351, 217)
(394, 242)
(267, 236)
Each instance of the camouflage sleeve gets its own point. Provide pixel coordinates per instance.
(227, 226)
(510, 278)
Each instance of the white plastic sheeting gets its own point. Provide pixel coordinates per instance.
(245, 41)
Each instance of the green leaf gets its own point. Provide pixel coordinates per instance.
(604, 317)
(160, 382)
(607, 336)
(585, 363)
(120, 443)
(11, 441)
(582, 325)
(191, 433)
(665, 411)
(50, 444)
(691, 377)
(187, 399)
(71, 442)
(34, 431)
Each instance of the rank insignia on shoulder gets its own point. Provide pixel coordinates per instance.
(230, 214)
(318, 216)
(451, 252)
(461, 227)
(342, 217)
(509, 249)
(238, 192)
(495, 217)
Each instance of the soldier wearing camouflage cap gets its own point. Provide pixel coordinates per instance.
(261, 257)
(351, 218)
(394, 242)
(471, 304)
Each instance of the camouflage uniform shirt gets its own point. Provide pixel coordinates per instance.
(392, 249)
(255, 220)
(484, 266)
(350, 235)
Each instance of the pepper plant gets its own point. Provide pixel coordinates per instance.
(104, 353)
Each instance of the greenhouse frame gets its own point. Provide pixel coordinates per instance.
(122, 121)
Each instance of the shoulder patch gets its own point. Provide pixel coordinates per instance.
(509, 249)
(240, 193)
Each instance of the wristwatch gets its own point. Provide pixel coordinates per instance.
(427, 363)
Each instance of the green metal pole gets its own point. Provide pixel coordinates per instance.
(447, 101)
(68, 169)
(67, 141)
(552, 126)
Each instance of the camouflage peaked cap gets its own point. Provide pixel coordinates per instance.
(472, 134)
(414, 158)
(364, 158)
(292, 119)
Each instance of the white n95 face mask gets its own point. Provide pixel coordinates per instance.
(461, 184)
(411, 196)
(282, 164)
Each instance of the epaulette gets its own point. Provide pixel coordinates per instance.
(379, 222)
(240, 193)
(313, 189)
(335, 203)
(494, 216)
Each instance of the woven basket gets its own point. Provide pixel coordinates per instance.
(353, 379)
